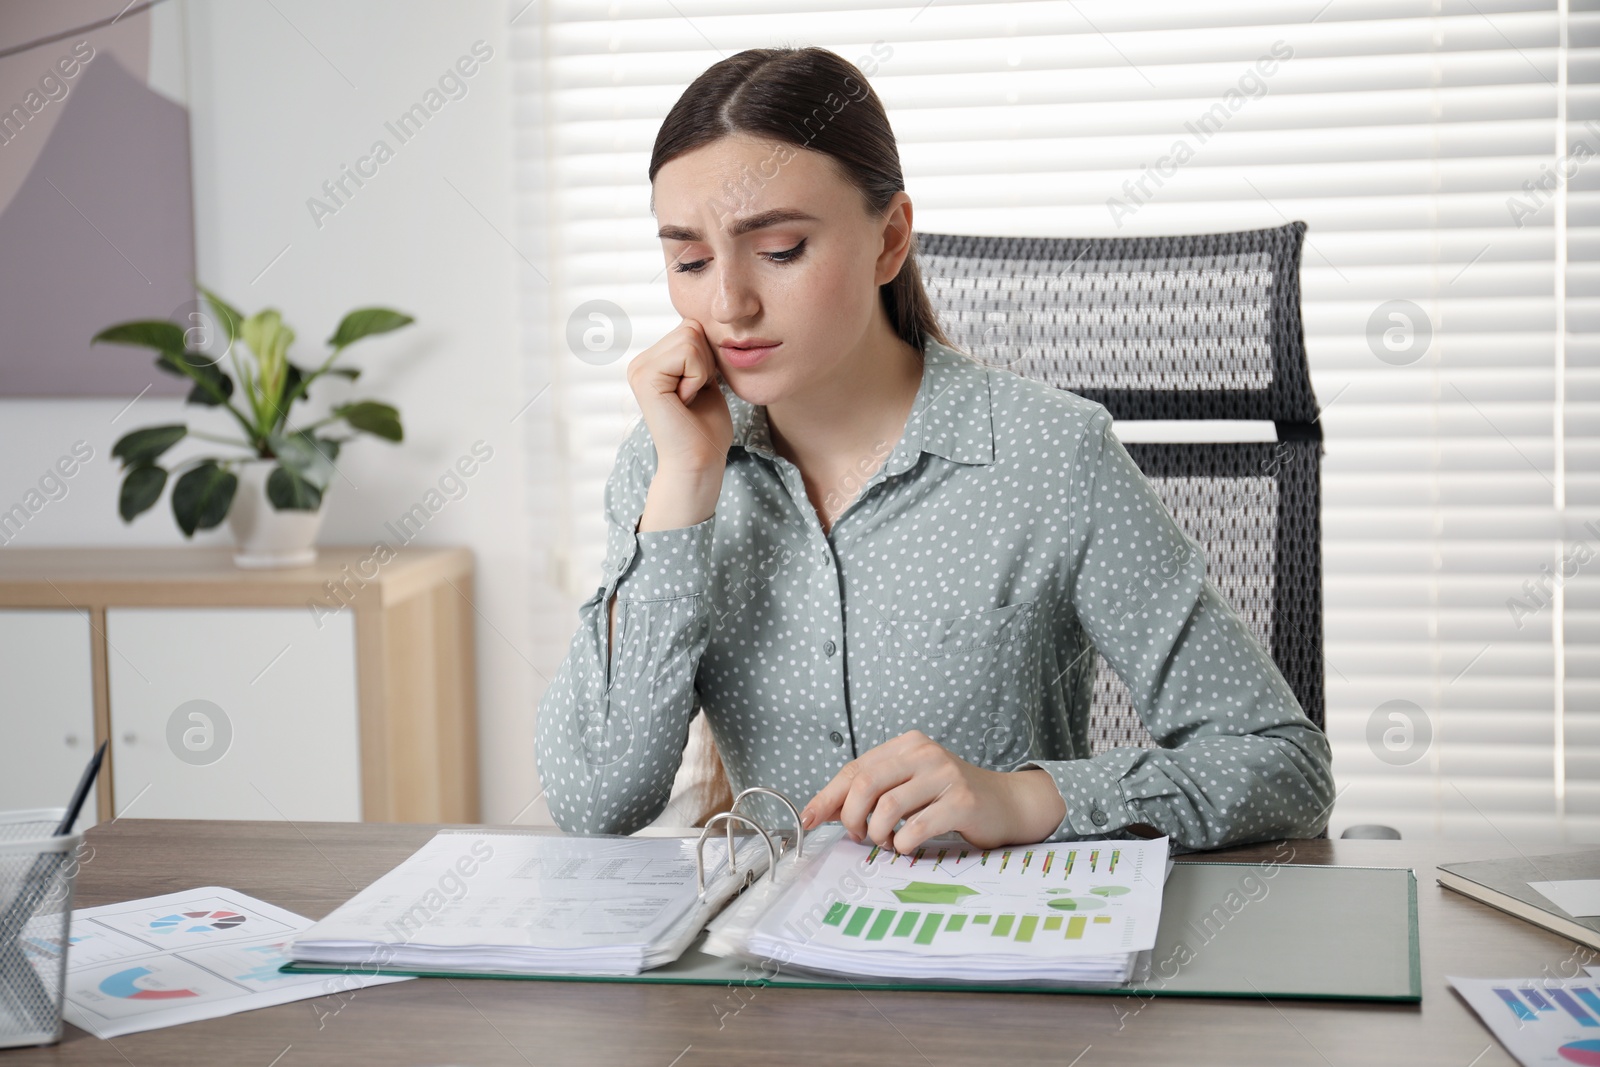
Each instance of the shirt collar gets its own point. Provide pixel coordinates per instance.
(951, 416)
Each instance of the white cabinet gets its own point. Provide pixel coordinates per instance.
(342, 690)
(46, 708)
(233, 713)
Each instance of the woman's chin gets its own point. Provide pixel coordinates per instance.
(755, 389)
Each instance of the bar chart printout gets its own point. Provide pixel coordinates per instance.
(1539, 1020)
(1049, 910)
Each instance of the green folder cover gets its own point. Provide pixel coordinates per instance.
(1227, 930)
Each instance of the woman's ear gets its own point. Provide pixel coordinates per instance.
(896, 238)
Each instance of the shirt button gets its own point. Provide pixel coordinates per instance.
(830, 648)
(836, 737)
(1098, 817)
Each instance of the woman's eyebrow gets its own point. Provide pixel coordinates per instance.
(740, 227)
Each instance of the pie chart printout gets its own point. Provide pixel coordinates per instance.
(125, 985)
(176, 958)
(197, 922)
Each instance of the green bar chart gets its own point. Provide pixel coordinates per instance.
(935, 927)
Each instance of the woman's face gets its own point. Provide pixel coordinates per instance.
(766, 241)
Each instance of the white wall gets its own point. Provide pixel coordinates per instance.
(282, 96)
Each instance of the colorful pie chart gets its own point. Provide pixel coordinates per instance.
(124, 984)
(1584, 1052)
(196, 922)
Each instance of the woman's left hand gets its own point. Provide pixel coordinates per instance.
(916, 778)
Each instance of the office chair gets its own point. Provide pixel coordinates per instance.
(1191, 327)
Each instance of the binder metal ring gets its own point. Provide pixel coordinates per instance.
(699, 846)
(799, 830)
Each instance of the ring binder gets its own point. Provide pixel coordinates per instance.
(774, 853)
(799, 830)
(700, 846)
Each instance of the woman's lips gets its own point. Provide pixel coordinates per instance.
(748, 357)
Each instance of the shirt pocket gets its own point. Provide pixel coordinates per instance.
(968, 681)
(956, 634)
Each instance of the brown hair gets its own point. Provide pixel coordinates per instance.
(810, 98)
(814, 99)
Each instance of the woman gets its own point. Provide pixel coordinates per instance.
(879, 568)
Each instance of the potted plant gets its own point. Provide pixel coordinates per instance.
(286, 469)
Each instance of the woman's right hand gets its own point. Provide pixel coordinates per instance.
(675, 382)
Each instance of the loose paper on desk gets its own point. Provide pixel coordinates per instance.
(497, 903)
(177, 958)
(1577, 897)
(1539, 1020)
(1080, 910)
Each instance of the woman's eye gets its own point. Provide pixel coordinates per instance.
(788, 255)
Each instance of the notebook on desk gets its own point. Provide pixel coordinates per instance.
(1521, 886)
(1089, 916)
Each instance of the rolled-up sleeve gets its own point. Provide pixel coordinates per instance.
(1239, 760)
(613, 723)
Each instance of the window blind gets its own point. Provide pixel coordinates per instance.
(1450, 278)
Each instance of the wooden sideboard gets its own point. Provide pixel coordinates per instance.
(343, 690)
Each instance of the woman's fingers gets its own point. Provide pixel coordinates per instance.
(939, 816)
(915, 780)
(870, 782)
(690, 426)
(700, 366)
(824, 807)
(905, 801)
(855, 795)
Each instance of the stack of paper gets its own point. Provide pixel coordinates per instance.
(1072, 911)
(475, 903)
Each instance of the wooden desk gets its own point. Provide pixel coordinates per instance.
(312, 867)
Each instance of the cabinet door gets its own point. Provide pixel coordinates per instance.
(233, 713)
(46, 709)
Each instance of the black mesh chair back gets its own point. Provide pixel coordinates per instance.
(1193, 327)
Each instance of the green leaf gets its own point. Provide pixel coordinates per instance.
(147, 333)
(372, 417)
(212, 386)
(232, 322)
(269, 339)
(345, 372)
(290, 492)
(364, 322)
(200, 394)
(309, 458)
(201, 496)
(292, 379)
(144, 446)
(140, 490)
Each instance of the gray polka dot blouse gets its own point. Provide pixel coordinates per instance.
(963, 592)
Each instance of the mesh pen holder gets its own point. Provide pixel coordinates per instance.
(37, 872)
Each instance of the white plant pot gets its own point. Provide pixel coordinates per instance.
(267, 537)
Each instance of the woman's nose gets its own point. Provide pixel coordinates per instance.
(736, 297)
